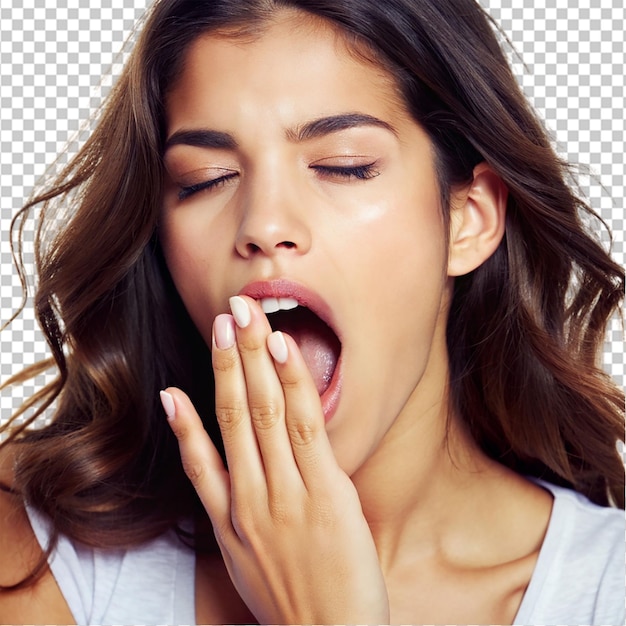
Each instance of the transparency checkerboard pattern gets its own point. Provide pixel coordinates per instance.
(58, 60)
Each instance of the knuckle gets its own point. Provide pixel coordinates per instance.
(250, 345)
(180, 430)
(225, 360)
(302, 433)
(194, 471)
(265, 415)
(291, 380)
(280, 513)
(229, 416)
(245, 520)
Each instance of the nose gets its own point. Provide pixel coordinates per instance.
(272, 224)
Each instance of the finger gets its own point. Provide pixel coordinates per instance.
(266, 400)
(304, 415)
(231, 409)
(200, 458)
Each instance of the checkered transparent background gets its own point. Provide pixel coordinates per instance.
(53, 56)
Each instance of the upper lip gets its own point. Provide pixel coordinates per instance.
(286, 288)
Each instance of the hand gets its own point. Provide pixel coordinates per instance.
(287, 519)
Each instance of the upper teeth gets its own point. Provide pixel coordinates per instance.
(271, 305)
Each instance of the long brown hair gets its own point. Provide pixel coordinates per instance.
(525, 329)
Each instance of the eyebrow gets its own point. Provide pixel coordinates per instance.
(207, 138)
(335, 123)
(202, 138)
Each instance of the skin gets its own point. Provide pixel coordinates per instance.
(374, 516)
(388, 521)
(19, 553)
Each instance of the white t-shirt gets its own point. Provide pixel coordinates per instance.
(580, 574)
(579, 577)
(150, 584)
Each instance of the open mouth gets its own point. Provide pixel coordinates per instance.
(318, 343)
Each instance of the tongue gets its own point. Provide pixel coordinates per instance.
(318, 344)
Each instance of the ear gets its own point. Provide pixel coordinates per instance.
(477, 221)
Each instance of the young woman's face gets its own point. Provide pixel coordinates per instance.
(295, 171)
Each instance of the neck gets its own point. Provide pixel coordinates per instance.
(428, 485)
(428, 492)
(411, 486)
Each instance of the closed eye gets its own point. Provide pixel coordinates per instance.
(358, 172)
(190, 190)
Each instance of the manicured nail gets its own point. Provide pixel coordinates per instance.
(278, 346)
(241, 311)
(224, 331)
(168, 405)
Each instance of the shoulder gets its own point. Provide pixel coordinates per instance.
(589, 533)
(19, 551)
(579, 577)
(152, 582)
(19, 556)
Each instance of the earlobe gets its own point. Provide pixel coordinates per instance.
(477, 221)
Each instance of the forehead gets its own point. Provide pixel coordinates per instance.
(295, 64)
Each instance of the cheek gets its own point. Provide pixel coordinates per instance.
(403, 252)
(189, 253)
(409, 283)
(402, 270)
(419, 278)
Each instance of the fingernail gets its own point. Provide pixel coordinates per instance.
(278, 346)
(224, 331)
(241, 311)
(168, 405)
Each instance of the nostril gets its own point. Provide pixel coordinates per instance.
(253, 248)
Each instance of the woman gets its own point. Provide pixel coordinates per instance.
(347, 212)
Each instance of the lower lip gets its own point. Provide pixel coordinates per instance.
(330, 398)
